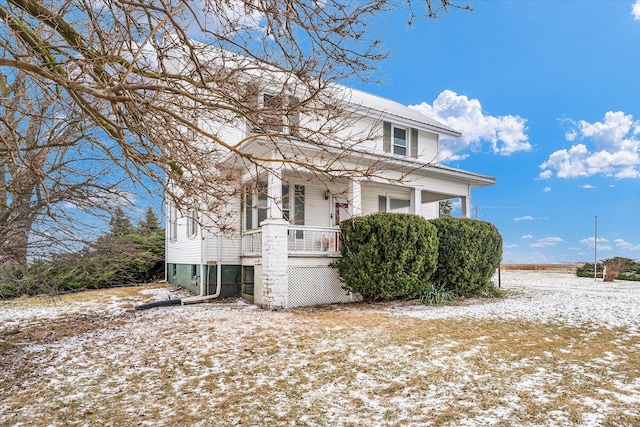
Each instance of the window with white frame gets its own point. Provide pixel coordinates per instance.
(172, 217)
(399, 141)
(402, 141)
(255, 206)
(255, 201)
(394, 203)
(192, 223)
(271, 112)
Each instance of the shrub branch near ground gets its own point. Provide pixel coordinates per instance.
(387, 255)
(469, 253)
(125, 254)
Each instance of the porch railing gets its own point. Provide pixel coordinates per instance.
(252, 242)
(302, 240)
(307, 240)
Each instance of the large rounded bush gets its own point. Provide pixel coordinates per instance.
(387, 255)
(469, 253)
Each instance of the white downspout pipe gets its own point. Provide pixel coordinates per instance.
(202, 297)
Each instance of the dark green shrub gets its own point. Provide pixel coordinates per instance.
(469, 253)
(587, 270)
(387, 255)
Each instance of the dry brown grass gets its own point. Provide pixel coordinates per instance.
(338, 365)
(557, 268)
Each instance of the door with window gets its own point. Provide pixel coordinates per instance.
(341, 212)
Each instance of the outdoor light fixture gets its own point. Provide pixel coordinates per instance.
(326, 195)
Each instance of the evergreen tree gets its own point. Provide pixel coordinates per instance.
(445, 207)
(120, 223)
(150, 224)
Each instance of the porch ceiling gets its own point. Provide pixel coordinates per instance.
(430, 196)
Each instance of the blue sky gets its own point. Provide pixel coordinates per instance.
(547, 96)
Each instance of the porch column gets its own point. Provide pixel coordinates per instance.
(355, 198)
(465, 207)
(416, 201)
(275, 263)
(274, 191)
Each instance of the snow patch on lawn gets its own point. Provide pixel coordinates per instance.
(549, 297)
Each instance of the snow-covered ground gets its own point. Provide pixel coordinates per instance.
(558, 350)
(551, 297)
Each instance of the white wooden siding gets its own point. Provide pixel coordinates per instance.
(184, 250)
(317, 209)
(230, 242)
(430, 210)
(428, 147)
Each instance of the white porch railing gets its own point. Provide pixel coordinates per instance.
(307, 240)
(252, 243)
(303, 240)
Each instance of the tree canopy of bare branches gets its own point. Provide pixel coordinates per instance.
(51, 166)
(153, 75)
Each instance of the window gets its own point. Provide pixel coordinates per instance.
(272, 113)
(248, 274)
(271, 120)
(399, 205)
(173, 223)
(292, 206)
(192, 223)
(255, 202)
(382, 203)
(393, 204)
(400, 141)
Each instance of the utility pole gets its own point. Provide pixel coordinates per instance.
(595, 252)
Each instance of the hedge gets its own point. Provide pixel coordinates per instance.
(387, 255)
(469, 252)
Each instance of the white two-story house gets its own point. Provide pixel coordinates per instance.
(286, 230)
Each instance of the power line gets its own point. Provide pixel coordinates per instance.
(564, 207)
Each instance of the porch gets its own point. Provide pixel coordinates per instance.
(302, 241)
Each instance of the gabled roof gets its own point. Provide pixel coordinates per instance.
(394, 111)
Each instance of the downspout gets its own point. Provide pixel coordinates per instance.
(202, 297)
(203, 281)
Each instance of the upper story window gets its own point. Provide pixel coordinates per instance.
(399, 140)
(271, 119)
(272, 112)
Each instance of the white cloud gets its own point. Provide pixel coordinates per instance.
(547, 241)
(527, 236)
(510, 246)
(546, 189)
(615, 149)
(626, 245)
(603, 244)
(506, 134)
(635, 10)
(587, 186)
(545, 174)
(523, 218)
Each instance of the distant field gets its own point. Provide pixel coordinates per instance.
(561, 268)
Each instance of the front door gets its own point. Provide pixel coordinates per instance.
(341, 212)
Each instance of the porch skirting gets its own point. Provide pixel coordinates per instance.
(316, 284)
